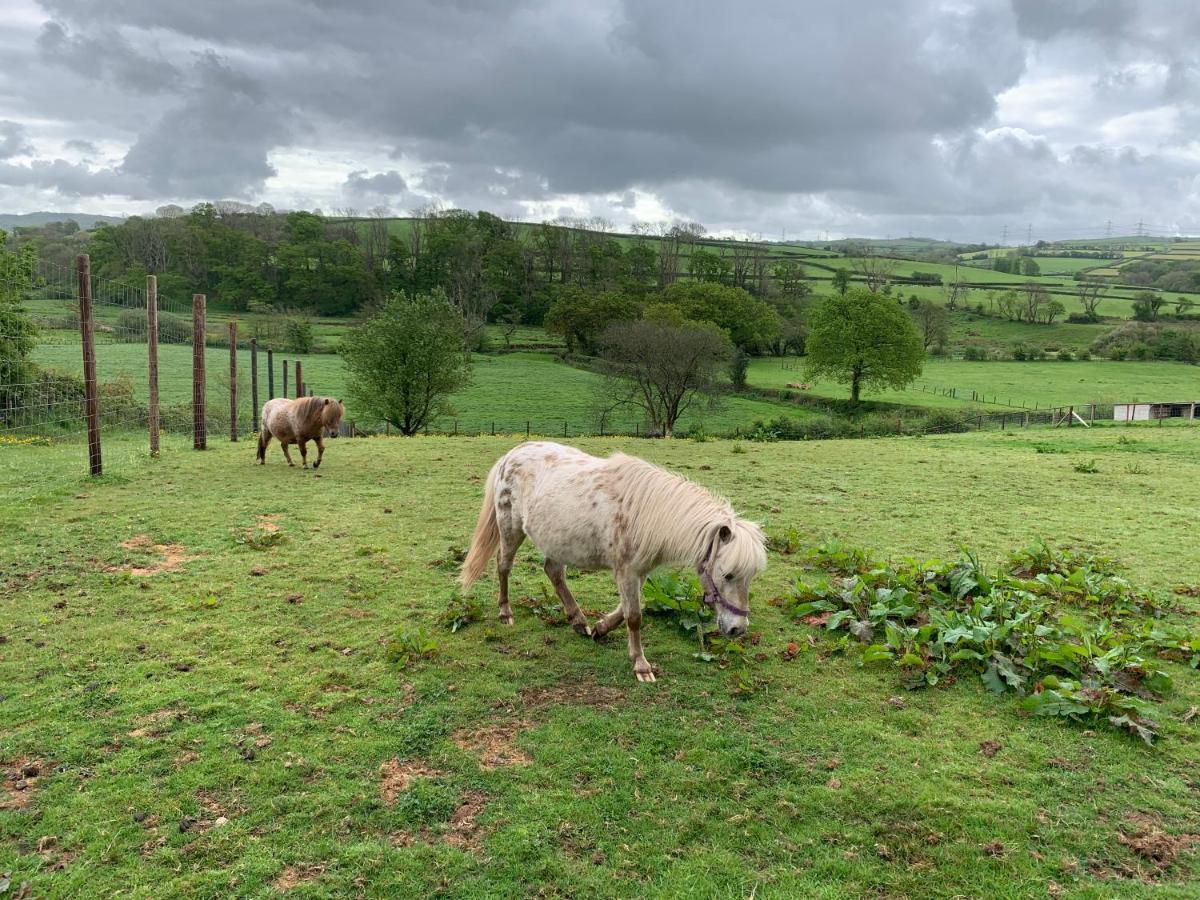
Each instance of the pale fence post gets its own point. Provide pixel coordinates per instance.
(199, 425)
(254, 384)
(87, 330)
(233, 330)
(152, 349)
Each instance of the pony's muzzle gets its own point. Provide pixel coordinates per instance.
(735, 631)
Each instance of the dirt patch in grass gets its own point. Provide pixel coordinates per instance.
(395, 777)
(579, 693)
(462, 831)
(155, 724)
(21, 777)
(1142, 834)
(294, 876)
(172, 556)
(495, 745)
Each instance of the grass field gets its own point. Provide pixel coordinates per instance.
(506, 389)
(1045, 383)
(230, 722)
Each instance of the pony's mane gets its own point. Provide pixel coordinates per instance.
(311, 412)
(674, 520)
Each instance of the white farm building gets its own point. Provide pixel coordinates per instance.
(1144, 412)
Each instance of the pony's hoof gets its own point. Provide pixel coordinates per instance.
(317, 464)
(583, 629)
(599, 634)
(646, 676)
(506, 618)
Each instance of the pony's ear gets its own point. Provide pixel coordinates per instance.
(326, 403)
(724, 534)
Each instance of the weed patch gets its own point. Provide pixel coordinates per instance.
(1065, 641)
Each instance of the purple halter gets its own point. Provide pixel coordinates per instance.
(712, 594)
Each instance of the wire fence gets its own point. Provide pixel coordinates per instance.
(82, 355)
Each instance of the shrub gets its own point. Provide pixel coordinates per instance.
(974, 353)
(1065, 355)
(172, 329)
(297, 335)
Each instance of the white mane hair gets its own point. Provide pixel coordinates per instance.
(672, 521)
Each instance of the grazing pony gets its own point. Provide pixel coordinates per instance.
(298, 422)
(619, 513)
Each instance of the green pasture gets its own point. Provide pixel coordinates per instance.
(510, 390)
(1045, 383)
(239, 720)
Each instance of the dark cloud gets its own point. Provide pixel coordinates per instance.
(13, 140)
(746, 116)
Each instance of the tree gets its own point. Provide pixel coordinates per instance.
(750, 322)
(17, 331)
(739, 366)
(406, 361)
(708, 265)
(1146, 305)
(1091, 291)
(841, 281)
(864, 340)
(876, 270)
(662, 369)
(934, 324)
(581, 316)
(790, 282)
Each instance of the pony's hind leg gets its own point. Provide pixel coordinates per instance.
(303, 454)
(511, 538)
(264, 440)
(557, 574)
(286, 453)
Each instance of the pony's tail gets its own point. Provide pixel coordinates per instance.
(486, 539)
(262, 444)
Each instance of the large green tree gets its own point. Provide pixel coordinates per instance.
(864, 340)
(407, 360)
(750, 322)
(581, 316)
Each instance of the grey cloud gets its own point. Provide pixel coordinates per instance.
(740, 115)
(14, 140)
(381, 183)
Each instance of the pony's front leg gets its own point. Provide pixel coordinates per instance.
(303, 454)
(320, 452)
(630, 587)
(287, 454)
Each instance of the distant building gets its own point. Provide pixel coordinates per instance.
(1144, 412)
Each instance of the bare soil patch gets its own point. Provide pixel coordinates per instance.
(21, 777)
(1142, 834)
(173, 556)
(294, 876)
(395, 777)
(495, 745)
(577, 693)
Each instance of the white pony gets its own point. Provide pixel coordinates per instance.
(619, 513)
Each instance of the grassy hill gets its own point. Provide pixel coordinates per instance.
(236, 714)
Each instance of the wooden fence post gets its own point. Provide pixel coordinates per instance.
(233, 431)
(299, 380)
(285, 376)
(87, 330)
(270, 374)
(152, 348)
(254, 384)
(199, 425)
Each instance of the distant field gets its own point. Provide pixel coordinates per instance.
(1043, 383)
(507, 390)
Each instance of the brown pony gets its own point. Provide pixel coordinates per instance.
(297, 422)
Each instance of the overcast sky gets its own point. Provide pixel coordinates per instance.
(875, 118)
